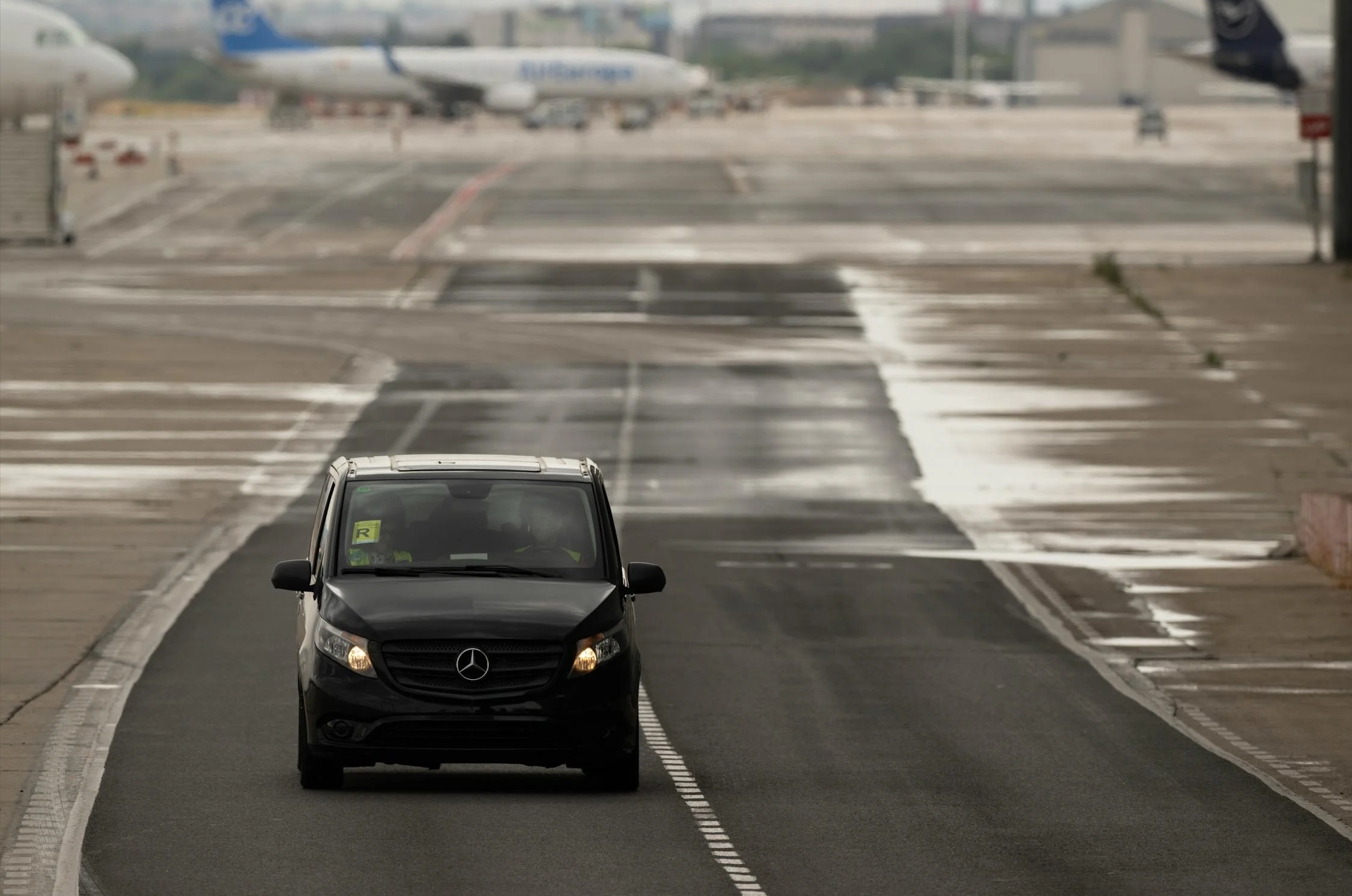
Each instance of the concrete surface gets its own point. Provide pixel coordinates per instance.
(860, 699)
(106, 481)
(1064, 428)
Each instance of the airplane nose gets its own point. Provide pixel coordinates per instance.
(114, 75)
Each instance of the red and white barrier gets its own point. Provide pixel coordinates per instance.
(1324, 528)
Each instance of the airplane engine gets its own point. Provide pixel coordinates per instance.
(513, 97)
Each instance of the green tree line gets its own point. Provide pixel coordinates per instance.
(920, 51)
(176, 76)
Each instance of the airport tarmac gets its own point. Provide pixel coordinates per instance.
(900, 501)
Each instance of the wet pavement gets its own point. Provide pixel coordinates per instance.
(856, 721)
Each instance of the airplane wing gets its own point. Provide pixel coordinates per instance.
(988, 89)
(508, 96)
(443, 93)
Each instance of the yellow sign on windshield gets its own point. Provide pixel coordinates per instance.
(366, 532)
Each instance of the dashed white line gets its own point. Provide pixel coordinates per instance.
(1284, 769)
(711, 829)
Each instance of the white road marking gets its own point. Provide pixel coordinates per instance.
(1278, 690)
(46, 858)
(715, 837)
(143, 414)
(1168, 667)
(135, 435)
(137, 198)
(415, 427)
(153, 227)
(327, 393)
(1140, 643)
(647, 289)
(624, 459)
(720, 845)
(737, 176)
(945, 456)
(83, 549)
(84, 465)
(1285, 769)
(798, 243)
(425, 291)
(360, 188)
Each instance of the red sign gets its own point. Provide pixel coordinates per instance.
(1316, 113)
(1316, 127)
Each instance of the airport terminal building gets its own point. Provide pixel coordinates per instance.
(1121, 52)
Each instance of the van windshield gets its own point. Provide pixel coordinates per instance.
(470, 526)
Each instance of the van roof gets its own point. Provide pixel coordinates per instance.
(386, 465)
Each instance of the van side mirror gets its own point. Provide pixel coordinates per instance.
(292, 575)
(646, 578)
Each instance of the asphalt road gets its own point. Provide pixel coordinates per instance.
(861, 724)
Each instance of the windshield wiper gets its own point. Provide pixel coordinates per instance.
(476, 569)
(506, 570)
(379, 571)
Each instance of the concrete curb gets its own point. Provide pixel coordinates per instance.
(1050, 610)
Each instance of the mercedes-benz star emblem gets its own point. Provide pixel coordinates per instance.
(472, 664)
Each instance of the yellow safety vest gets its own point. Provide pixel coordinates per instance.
(360, 557)
(576, 555)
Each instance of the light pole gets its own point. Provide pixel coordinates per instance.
(960, 41)
(1342, 130)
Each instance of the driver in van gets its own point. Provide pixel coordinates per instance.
(551, 525)
(376, 541)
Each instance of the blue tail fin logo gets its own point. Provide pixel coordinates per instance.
(1244, 24)
(1250, 44)
(242, 29)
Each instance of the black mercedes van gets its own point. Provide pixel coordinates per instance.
(458, 608)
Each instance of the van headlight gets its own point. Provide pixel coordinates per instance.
(598, 650)
(352, 652)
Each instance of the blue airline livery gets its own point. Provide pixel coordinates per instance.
(500, 79)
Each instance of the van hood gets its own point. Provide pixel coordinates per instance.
(456, 607)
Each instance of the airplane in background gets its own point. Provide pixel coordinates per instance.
(989, 93)
(509, 80)
(1248, 43)
(47, 62)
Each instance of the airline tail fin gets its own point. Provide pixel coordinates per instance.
(241, 28)
(1250, 44)
(1244, 26)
